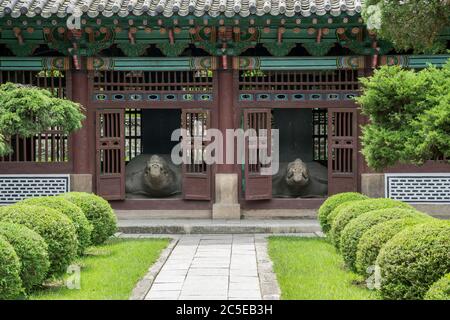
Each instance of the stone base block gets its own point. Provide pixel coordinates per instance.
(81, 182)
(226, 205)
(226, 211)
(372, 185)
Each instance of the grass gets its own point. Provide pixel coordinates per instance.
(311, 269)
(108, 271)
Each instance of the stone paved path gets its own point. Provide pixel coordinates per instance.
(203, 267)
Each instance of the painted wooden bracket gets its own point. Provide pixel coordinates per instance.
(18, 35)
(280, 32)
(171, 36)
(319, 35)
(131, 35)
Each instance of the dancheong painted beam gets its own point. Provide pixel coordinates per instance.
(211, 63)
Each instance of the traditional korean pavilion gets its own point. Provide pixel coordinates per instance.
(142, 68)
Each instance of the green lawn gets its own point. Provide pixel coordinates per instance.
(311, 269)
(109, 271)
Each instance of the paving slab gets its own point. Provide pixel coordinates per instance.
(217, 267)
(209, 267)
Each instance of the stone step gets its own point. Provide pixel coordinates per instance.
(209, 226)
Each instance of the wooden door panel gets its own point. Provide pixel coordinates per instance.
(110, 148)
(196, 173)
(257, 185)
(342, 150)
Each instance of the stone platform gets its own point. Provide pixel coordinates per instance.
(209, 226)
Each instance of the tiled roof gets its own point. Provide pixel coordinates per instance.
(168, 8)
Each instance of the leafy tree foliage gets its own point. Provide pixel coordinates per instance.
(412, 24)
(409, 116)
(26, 111)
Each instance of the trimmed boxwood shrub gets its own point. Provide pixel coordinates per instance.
(332, 202)
(354, 230)
(98, 211)
(376, 237)
(440, 290)
(340, 208)
(81, 223)
(414, 259)
(57, 230)
(10, 283)
(345, 214)
(31, 249)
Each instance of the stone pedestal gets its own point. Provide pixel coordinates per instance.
(372, 185)
(81, 182)
(227, 204)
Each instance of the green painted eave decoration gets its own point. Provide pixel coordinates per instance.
(414, 61)
(318, 49)
(418, 62)
(298, 63)
(152, 64)
(335, 63)
(211, 63)
(34, 63)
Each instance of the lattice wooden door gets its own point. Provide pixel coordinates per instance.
(342, 151)
(196, 173)
(110, 146)
(257, 185)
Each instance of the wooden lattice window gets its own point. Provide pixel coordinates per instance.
(258, 184)
(343, 142)
(52, 80)
(319, 135)
(110, 147)
(121, 82)
(195, 123)
(298, 81)
(259, 124)
(133, 133)
(109, 137)
(51, 145)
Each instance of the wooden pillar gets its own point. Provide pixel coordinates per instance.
(82, 159)
(226, 112)
(226, 204)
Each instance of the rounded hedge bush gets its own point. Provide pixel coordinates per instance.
(10, 282)
(73, 212)
(344, 214)
(440, 290)
(354, 230)
(98, 211)
(414, 259)
(332, 202)
(376, 237)
(340, 208)
(31, 249)
(57, 230)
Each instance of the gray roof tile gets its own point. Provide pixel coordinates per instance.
(168, 8)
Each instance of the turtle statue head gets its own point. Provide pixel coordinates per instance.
(157, 173)
(297, 174)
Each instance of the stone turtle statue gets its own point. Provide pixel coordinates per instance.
(300, 179)
(152, 176)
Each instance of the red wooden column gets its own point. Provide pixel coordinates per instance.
(226, 200)
(82, 159)
(226, 111)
